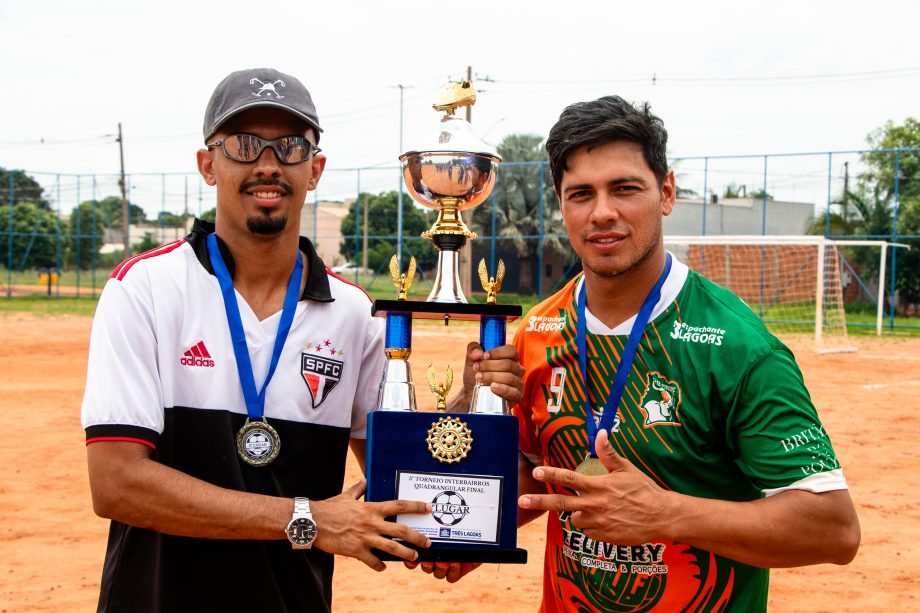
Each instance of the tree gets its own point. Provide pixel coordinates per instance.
(111, 212)
(25, 189)
(86, 234)
(148, 242)
(209, 215)
(518, 201)
(35, 237)
(170, 220)
(892, 178)
(882, 164)
(382, 230)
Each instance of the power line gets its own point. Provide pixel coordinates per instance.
(655, 78)
(43, 141)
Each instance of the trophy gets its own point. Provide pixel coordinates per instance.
(454, 174)
(464, 464)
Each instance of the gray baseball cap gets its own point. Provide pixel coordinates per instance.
(258, 87)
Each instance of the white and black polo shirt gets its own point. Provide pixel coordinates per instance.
(162, 373)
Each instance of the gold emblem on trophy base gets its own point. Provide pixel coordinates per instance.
(440, 389)
(449, 440)
(491, 284)
(402, 281)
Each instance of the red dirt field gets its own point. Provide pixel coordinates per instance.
(52, 545)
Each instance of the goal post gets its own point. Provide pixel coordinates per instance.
(795, 284)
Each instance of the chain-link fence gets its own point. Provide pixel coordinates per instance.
(64, 233)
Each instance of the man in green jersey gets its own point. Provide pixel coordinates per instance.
(704, 462)
(709, 463)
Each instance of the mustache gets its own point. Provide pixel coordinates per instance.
(267, 183)
(611, 228)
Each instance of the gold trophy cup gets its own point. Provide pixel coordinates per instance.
(457, 172)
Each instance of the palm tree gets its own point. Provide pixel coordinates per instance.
(522, 179)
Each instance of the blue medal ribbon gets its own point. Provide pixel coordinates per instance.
(255, 401)
(626, 359)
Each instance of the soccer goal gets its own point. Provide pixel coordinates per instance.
(795, 284)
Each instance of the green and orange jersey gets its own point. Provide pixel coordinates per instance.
(714, 407)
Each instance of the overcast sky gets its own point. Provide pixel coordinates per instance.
(727, 77)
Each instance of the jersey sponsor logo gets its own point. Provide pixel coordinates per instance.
(540, 323)
(813, 440)
(658, 576)
(197, 355)
(660, 401)
(588, 552)
(321, 369)
(703, 335)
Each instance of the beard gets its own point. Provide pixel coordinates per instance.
(266, 223)
(609, 268)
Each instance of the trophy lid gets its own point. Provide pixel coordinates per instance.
(455, 134)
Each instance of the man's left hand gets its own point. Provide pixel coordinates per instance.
(624, 507)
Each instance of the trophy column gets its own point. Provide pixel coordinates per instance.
(491, 335)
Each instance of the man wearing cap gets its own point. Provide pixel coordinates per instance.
(228, 374)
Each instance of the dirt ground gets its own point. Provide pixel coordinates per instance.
(52, 545)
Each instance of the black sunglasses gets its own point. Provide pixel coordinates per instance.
(247, 148)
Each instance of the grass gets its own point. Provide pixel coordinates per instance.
(68, 278)
(797, 318)
(42, 305)
(861, 321)
(379, 287)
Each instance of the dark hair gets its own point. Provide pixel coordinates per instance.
(606, 120)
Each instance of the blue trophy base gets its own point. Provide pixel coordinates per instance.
(474, 516)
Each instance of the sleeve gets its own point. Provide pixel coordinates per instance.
(372, 363)
(528, 443)
(123, 399)
(775, 431)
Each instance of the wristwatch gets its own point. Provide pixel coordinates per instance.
(302, 529)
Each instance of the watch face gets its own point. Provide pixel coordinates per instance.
(302, 531)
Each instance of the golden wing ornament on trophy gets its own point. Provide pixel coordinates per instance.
(402, 281)
(440, 390)
(491, 284)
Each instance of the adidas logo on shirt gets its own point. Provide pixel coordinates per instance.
(197, 355)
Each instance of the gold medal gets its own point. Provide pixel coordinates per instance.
(591, 467)
(257, 443)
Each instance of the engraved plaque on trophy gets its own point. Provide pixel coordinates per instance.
(464, 464)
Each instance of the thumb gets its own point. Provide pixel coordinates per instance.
(357, 490)
(606, 454)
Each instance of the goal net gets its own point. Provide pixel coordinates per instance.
(793, 283)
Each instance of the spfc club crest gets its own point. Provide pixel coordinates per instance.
(321, 369)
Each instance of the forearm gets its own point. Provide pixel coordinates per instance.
(461, 402)
(793, 528)
(135, 490)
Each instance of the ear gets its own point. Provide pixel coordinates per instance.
(668, 194)
(317, 164)
(206, 166)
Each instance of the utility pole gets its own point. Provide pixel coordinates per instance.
(466, 252)
(399, 201)
(846, 189)
(125, 224)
